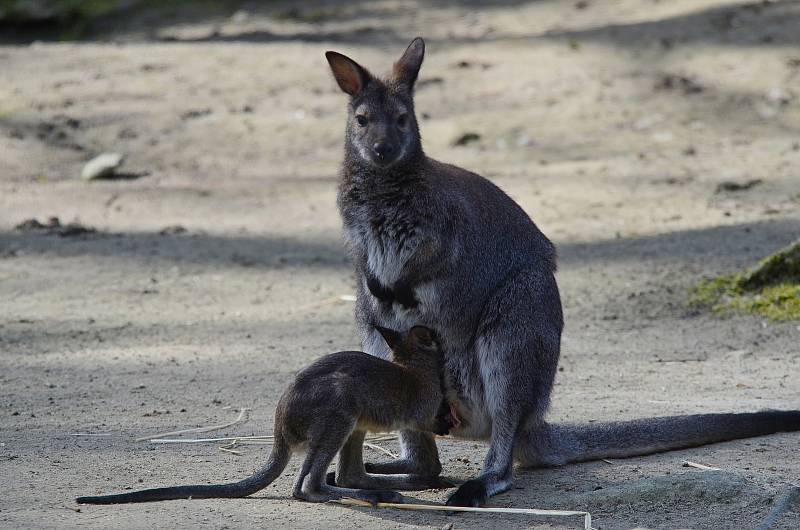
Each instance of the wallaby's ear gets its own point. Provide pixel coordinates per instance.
(421, 336)
(351, 76)
(392, 338)
(407, 67)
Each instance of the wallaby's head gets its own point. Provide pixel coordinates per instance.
(381, 126)
(418, 346)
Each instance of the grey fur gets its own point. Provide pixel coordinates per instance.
(436, 245)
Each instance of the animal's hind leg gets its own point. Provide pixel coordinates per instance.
(517, 350)
(310, 485)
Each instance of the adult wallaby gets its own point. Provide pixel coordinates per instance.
(438, 245)
(329, 407)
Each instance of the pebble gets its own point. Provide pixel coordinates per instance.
(102, 166)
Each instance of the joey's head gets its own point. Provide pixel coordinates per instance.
(382, 129)
(417, 347)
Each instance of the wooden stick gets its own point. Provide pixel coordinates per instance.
(587, 517)
(266, 438)
(689, 463)
(241, 418)
(242, 440)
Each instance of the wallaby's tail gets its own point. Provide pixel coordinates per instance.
(565, 443)
(278, 459)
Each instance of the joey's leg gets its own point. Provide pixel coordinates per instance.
(350, 472)
(517, 351)
(310, 485)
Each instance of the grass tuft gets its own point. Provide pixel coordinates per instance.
(771, 289)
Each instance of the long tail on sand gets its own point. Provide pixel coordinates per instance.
(278, 459)
(567, 443)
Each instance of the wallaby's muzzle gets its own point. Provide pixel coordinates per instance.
(384, 151)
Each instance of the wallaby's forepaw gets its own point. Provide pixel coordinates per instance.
(377, 290)
(471, 494)
(404, 295)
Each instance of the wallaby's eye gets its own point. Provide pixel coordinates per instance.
(361, 120)
(402, 120)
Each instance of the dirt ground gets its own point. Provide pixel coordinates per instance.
(612, 123)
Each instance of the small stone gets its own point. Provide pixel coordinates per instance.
(778, 96)
(102, 166)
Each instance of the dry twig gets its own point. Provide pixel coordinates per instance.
(241, 418)
(587, 517)
(704, 467)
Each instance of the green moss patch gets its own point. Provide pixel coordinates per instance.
(770, 289)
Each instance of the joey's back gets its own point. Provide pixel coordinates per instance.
(378, 394)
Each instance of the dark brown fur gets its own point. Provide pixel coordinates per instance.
(329, 407)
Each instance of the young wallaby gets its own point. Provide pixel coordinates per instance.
(328, 408)
(438, 245)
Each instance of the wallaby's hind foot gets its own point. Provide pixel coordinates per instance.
(310, 485)
(402, 482)
(421, 457)
(327, 493)
(401, 466)
(310, 488)
(350, 470)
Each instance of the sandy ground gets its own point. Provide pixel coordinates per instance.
(611, 123)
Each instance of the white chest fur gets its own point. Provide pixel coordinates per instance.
(386, 257)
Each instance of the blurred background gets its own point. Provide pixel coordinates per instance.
(197, 263)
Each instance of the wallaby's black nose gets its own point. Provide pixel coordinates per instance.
(383, 149)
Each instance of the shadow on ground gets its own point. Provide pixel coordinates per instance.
(718, 247)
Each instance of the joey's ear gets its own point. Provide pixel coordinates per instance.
(421, 336)
(392, 338)
(407, 67)
(351, 76)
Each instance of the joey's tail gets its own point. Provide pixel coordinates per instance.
(559, 444)
(278, 459)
